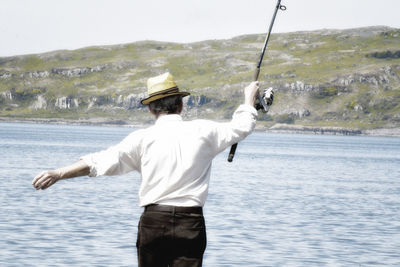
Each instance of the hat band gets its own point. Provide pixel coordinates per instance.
(167, 91)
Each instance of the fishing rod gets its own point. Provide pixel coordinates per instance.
(265, 101)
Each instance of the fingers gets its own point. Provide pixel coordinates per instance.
(253, 88)
(256, 85)
(44, 180)
(252, 85)
(35, 181)
(47, 184)
(251, 92)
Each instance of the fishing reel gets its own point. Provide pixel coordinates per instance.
(265, 100)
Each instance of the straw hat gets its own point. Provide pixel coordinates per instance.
(161, 86)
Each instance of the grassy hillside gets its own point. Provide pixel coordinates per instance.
(347, 78)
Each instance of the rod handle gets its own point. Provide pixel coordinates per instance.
(232, 152)
(256, 73)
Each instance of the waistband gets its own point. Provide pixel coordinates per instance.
(173, 209)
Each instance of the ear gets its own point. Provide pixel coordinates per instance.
(180, 108)
(151, 111)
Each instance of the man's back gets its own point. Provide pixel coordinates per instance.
(174, 158)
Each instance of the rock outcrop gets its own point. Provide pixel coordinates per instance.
(40, 103)
(76, 72)
(325, 77)
(66, 103)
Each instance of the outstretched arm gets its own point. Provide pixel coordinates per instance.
(46, 179)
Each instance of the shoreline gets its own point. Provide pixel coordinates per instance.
(332, 130)
(276, 128)
(88, 122)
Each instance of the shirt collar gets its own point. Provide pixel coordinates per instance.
(168, 118)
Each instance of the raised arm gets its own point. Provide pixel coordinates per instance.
(242, 124)
(46, 179)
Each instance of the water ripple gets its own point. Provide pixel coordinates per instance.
(286, 200)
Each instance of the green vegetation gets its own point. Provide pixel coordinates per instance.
(31, 63)
(348, 78)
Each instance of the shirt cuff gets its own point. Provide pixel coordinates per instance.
(248, 108)
(88, 160)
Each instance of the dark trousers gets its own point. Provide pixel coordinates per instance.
(171, 237)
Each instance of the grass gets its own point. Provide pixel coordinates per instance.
(220, 69)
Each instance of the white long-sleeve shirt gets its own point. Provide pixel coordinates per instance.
(173, 156)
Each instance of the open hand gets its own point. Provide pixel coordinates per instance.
(46, 179)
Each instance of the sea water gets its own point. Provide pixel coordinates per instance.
(285, 200)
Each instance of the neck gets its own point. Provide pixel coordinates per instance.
(160, 115)
(164, 114)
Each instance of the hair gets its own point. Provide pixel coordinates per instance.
(166, 105)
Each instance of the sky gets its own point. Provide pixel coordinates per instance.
(37, 26)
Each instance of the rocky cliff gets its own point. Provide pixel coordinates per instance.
(326, 78)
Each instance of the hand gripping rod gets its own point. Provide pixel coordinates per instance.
(261, 101)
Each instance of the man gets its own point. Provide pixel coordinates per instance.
(174, 159)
